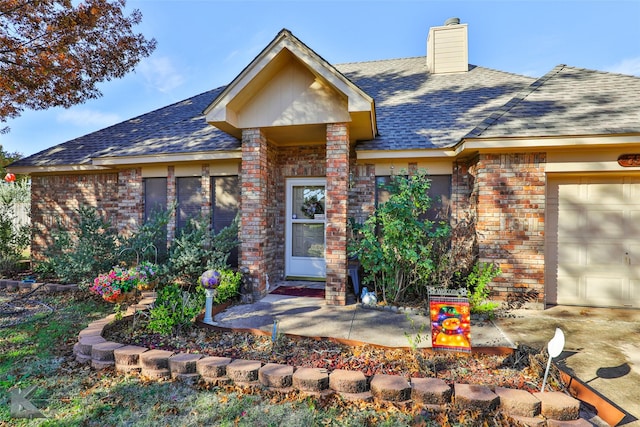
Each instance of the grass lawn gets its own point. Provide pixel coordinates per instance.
(39, 353)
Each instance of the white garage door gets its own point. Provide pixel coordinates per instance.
(593, 240)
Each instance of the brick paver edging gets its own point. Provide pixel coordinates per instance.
(534, 409)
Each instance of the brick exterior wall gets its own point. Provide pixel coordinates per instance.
(56, 198)
(130, 197)
(336, 212)
(506, 193)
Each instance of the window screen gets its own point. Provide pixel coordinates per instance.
(189, 195)
(155, 200)
(225, 194)
(440, 193)
(225, 198)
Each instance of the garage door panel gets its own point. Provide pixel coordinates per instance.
(608, 224)
(604, 193)
(603, 288)
(568, 288)
(607, 254)
(593, 245)
(570, 253)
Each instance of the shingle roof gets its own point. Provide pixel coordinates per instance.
(418, 110)
(414, 109)
(569, 101)
(177, 128)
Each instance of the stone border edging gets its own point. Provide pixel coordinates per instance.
(535, 409)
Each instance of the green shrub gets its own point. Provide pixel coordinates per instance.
(174, 309)
(14, 237)
(149, 241)
(79, 254)
(477, 285)
(229, 286)
(395, 245)
(197, 249)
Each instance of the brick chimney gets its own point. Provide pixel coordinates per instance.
(448, 48)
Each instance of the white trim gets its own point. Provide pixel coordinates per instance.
(167, 158)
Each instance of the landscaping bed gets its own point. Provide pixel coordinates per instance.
(523, 369)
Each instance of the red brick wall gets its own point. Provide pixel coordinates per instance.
(336, 212)
(130, 200)
(57, 197)
(508, 194)
(253, 226)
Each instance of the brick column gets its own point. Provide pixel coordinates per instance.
(205, 185)
(130, 206)
(336, 212)
(253, 224)
(510, 223)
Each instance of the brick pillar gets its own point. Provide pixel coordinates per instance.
(336, 212)
(171, 199)
(253, 224)
(130, 205)
(205, 185)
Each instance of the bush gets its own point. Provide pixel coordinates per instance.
(229, 286)
(477, 285)
(174, 309)
(79, 254)
(395, 245)
(149, 241)
(197, 249)
(14, 237)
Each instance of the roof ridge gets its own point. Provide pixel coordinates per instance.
(513, 102)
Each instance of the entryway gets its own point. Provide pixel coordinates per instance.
(305, 228)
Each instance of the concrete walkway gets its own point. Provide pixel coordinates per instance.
(602, 345)
(313, 317)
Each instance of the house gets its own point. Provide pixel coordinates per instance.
(550, 167)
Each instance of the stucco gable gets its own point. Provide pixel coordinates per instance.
(288, 84)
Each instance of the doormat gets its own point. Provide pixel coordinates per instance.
(298, 291)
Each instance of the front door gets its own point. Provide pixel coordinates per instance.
(305, 228)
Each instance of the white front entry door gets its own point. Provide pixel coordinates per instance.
(305, 228)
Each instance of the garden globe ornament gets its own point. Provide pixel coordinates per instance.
(10, 177)
(210, 280)
(555, 347)
(368, 298)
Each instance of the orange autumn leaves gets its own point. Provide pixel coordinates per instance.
(53, 53)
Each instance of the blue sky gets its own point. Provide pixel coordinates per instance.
(204, 44)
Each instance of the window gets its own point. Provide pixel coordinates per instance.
(440, 193)
(225, 197)
(155, 200)
(189, 195)
(225, 194)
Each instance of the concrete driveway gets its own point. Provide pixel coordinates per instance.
(602, 348)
